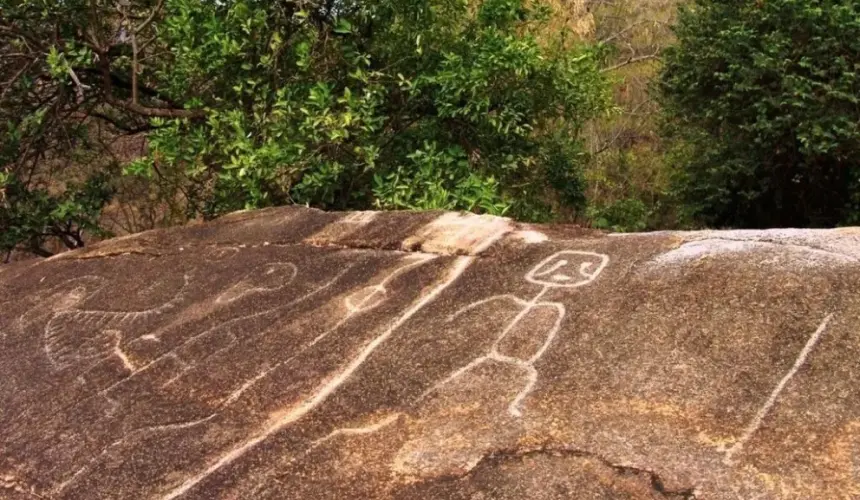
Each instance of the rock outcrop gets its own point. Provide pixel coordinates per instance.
(291, 353)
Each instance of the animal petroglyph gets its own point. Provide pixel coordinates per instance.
(83, 338)
(565, 269)
(64, 296)
(222, 337)
(762, 413)
(216, 339)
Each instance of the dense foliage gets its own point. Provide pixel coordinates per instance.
(389, 104)
(766, 97)
(154, 112)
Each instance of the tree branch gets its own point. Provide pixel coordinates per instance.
(632, 60)
(142, 26)
(156, 112)
(622, 32)
(11, 83)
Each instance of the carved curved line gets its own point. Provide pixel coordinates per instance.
(134, 433)
(515, 408)
(553, 332)
(258, 289)
(479, 303)
(453, 376)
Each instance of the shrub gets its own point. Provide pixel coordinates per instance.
(767, 95)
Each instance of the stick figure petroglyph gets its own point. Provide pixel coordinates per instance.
(565, 269)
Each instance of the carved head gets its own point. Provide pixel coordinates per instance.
(568, 269)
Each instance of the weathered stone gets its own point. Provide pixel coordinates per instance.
(290, 353)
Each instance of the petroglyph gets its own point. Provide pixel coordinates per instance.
(275, 378)
(126, 438)
(269, 278)
(175, 365)
(565, 269)
(119, 353)
(62, 297)
(568, 269)
(218, 254)
(762, 413)
(266, 479)
(289, 415)
(358, 431)
(372, 296)
(222, 331)
(225, 330)
(356, 303)
(83, 338)
(355, 307)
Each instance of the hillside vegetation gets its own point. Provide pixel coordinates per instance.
(124, 115)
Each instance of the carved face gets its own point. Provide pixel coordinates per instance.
(568, 269)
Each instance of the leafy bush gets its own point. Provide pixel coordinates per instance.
(29, 217)
(625, 215)
(767, 96)
(381, 104)
(461, 104)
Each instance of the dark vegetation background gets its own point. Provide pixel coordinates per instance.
(118, 116)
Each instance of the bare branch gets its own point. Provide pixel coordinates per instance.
(632, 60)
(7, 87)
(80, 87)
(142, 26)
(624, 31)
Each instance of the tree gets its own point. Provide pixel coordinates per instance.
(65, 95)
(766, 97)
(389, 104)
(31, 216)
(627, 176)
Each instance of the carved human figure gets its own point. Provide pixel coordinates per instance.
(567, 269)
